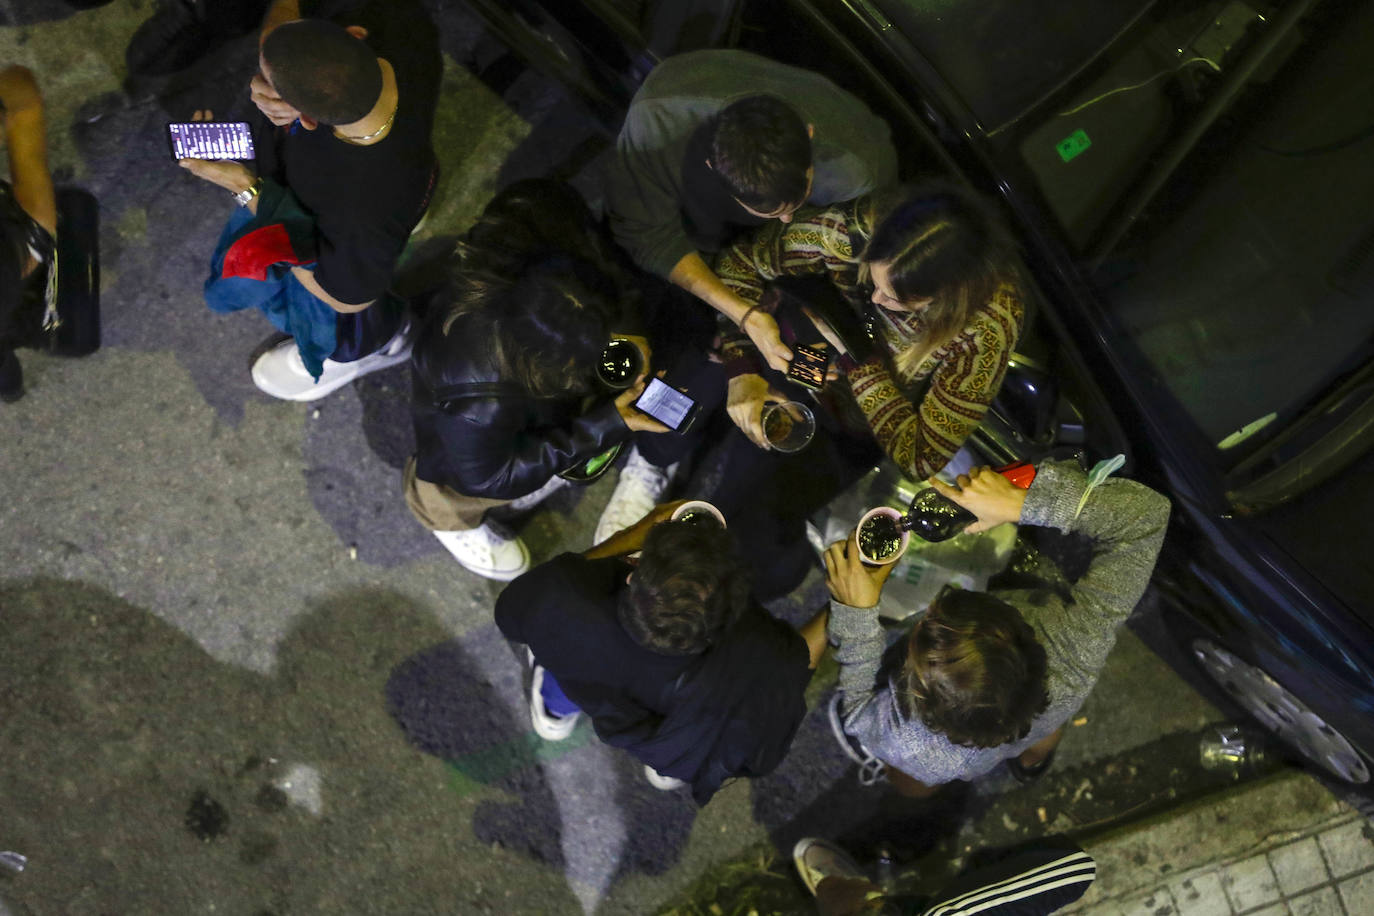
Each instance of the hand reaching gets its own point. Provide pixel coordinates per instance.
(747, 394)
(228, 174)
(636, 420)
(849, 580)
(987, 494)
(762, 329)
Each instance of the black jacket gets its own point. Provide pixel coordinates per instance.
(485, 436)
(731, 711)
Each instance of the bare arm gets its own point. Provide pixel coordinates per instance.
(28, 146)
(628, 540)
(692, 274)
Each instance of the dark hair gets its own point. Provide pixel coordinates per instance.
(687, 591)
(762, 149)
(323, 71)
(545, 307)
(944, 243)
(974, 671)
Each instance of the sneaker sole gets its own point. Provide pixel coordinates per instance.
(322, 389)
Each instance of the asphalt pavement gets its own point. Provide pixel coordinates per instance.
(237, 677)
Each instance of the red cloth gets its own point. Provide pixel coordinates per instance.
(251, 255)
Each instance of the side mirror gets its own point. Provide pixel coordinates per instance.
(1028, 419)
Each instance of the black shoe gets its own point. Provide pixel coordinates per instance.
(172, 39)
(1026, 775)
(11, 377)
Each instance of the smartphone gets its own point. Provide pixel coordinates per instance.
(210, 140)
(808, 365)
(667, 405)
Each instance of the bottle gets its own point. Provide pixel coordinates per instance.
(934, 518)
(1237, 751)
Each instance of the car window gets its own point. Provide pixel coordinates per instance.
(1246, 283)
(1003, 56)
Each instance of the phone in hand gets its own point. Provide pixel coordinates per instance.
(808, 365)
(210, 140)
(667, 405)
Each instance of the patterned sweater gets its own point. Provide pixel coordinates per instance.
(963, 374)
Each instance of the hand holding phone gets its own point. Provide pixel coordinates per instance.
(808, 366)
(210, 140)
(667, 405)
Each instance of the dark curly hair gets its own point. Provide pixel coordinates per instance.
(974, 671)
(762, 149)
(545, 306)
(687, 591)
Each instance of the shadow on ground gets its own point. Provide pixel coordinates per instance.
(141, 776)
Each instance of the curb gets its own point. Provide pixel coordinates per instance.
(1161, 849)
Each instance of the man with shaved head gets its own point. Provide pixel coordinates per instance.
(352, 99)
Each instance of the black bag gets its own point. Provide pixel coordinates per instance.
(74, 278)
(57, 308)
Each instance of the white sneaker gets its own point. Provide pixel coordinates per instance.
(546, 724)
(661, 782)
(487, 552)
(530, 500)
(636, 494)
(281, 373)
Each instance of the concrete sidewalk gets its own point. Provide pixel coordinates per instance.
(1280, 845)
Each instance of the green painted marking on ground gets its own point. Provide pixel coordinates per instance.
(1074, 145)
(481, 768)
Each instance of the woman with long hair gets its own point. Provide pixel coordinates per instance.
(934, 281)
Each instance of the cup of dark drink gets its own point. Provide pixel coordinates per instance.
(881, 537)
(620, 364)
(698, 512)
(788, 425)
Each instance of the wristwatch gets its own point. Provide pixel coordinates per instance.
(245, 197)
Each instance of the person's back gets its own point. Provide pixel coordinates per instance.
(993, 677)
(677, 665)
(348, 172)
(366, 198)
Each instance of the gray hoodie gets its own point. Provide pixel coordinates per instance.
(852, 150)
(1125, 522)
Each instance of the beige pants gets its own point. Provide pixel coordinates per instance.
(441, 508)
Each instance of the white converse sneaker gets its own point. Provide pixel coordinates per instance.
(635, 495)
(661, 782)
(487, 552)
(281, 373)
(546, 724)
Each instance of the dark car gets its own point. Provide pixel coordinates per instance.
(1193, 187)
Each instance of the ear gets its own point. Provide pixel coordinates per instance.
(709, 165)
(811, 131)
(357, 31)
(308, 122)
(628, 577)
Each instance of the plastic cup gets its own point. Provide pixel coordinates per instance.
(788, 425)
(698, 512)
(876, 529)
(620, 364)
